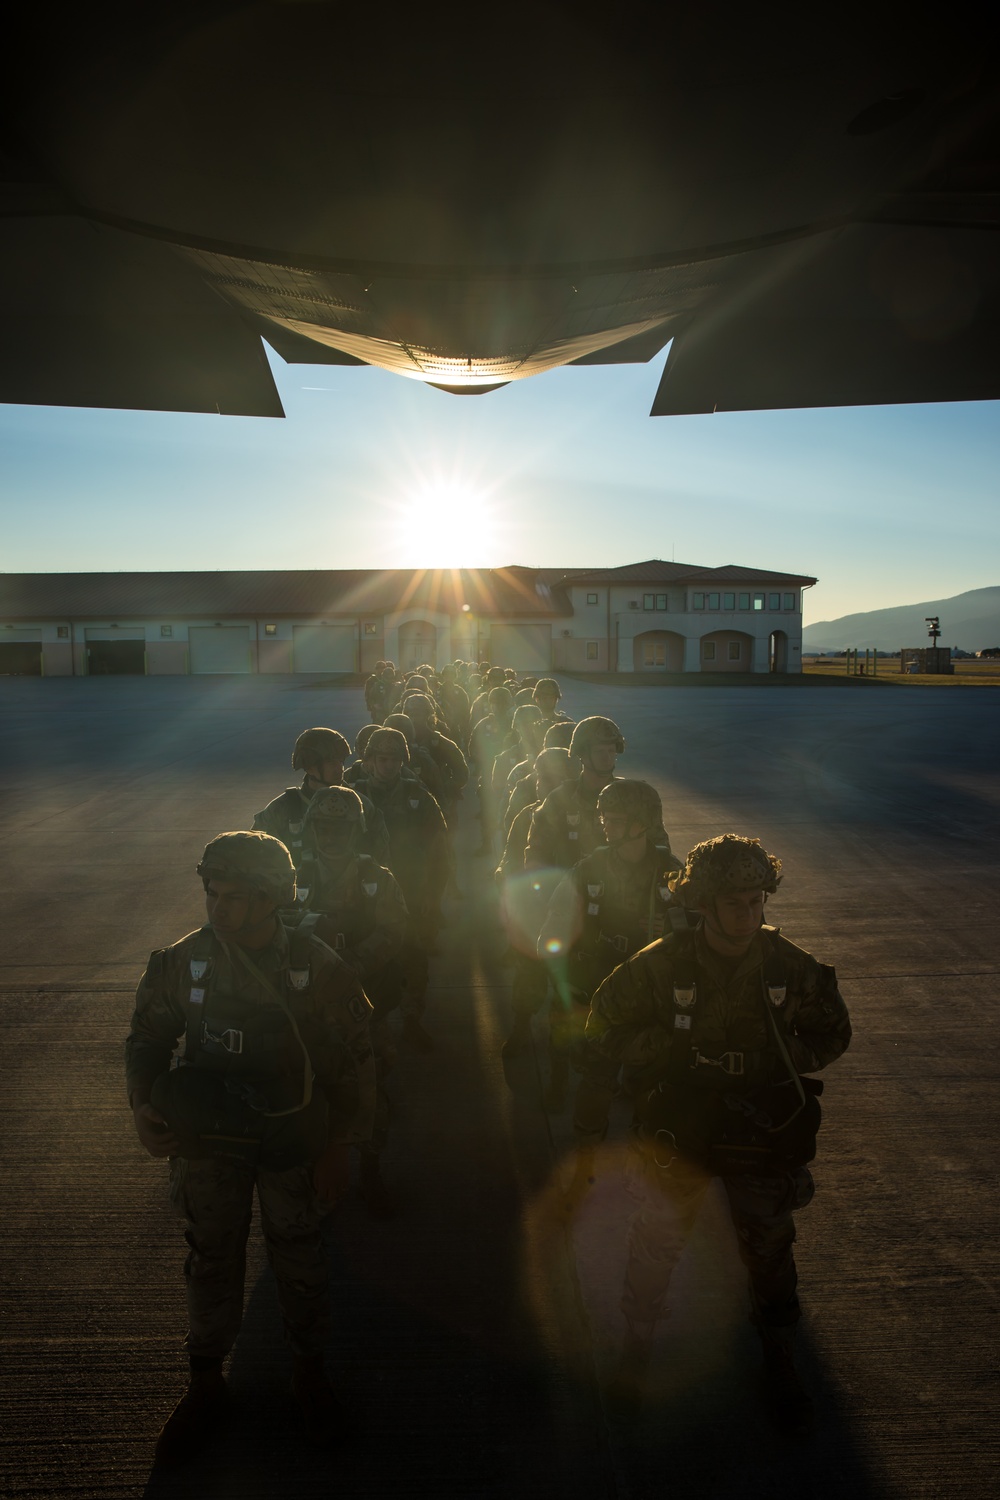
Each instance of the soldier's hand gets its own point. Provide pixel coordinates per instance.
(332, 1173)
(154, 1132)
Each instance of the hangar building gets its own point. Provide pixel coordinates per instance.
(645, 617)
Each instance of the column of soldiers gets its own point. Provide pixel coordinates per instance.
(658, 980)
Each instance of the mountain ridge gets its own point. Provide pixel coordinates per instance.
(970, 621)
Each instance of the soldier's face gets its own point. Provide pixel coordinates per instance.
(334, 836)
(603, 756)
(546, 702)
(332, 771)
(735, 917)
(387, 768)
(618, 828)
(235, 911)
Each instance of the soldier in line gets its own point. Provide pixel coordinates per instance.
(713, 1028)
(522, 787)
(611, 904)
(419, 857)
(357, 908)
(487, 741)
(566, 826)
(320, 754)
(276, 1079)
(523, 901)
(444, 751)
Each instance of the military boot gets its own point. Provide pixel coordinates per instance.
(378, 1199)
(197, 1414)
(627, 1385)
(321, 1410)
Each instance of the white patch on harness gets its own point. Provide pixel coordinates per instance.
(197, 997)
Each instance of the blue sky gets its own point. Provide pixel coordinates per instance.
(885, 505)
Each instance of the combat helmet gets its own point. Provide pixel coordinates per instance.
(337, 804)
(387, 742)
(315, 745)
(595, 731)
(364, 734)
(725, 864)
(635, 800)
(403, 723)
(257, 859)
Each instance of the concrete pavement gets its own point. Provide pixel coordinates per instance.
(471, 1330)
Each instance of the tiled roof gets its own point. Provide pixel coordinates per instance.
(657, 571)
(309, 593)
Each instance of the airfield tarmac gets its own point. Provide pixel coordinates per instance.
(473, 1329)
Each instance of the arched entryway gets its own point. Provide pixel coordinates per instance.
(777, 652)
(417, 644)
(727, 651)
(658, 651)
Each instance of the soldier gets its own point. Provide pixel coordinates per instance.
(275, 1080)
(361, 915)
(487, 741)
(523, 902)
(605, 909)
(546, 693)
(418, 857)
(320, 754)
(566, 826)
(445, 752)
(455, 705)
(373, 689)
(715, 1026)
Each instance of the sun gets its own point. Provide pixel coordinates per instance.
(446, 524)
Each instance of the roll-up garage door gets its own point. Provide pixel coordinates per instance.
(527, 648)
(219, 648)
(324, 648)
(21, 653)
(113, 652)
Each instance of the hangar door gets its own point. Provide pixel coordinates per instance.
(323, 648)
(113, 652)
(21, 653)
(219, 648)
(527, 648)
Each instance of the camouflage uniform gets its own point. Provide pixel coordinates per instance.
(215, 1195)
(363, 918)
(284, 818)
(631, 1028)
(420, 859)
(564, 827)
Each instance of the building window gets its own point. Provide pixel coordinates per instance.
(789, 601)
(708, 650)
(591, 650)
(62, 632)
(774, 601)
(270, 630)
(371, 628)
(758, 601)
(166, 631)
(649, 601)
(661, 601)
(654, 653)
(713, 601)
(729, 601)
(591, 598)
(735, 650)
(744, 601)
